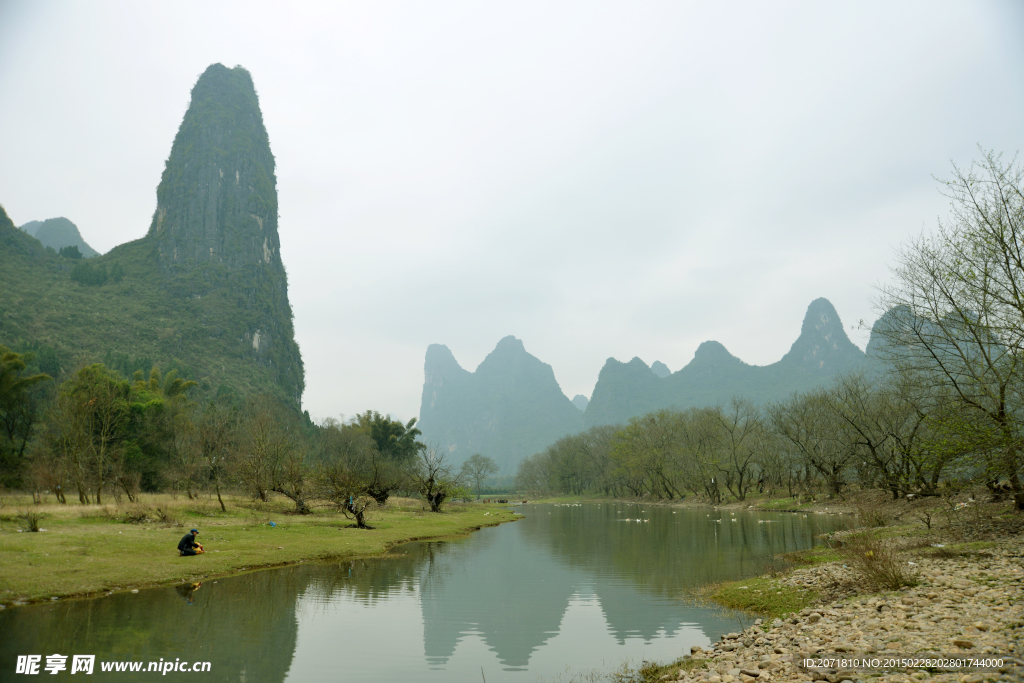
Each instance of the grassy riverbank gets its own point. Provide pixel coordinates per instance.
(92, 549)
(897, 533)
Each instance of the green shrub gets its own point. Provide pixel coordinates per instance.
(86, 274)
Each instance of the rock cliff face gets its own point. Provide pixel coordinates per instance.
(215, 225)
(508, 409)
(217, 199)
(821, 352)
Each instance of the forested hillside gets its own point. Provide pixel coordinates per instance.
(204, 291)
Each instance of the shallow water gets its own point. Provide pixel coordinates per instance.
(565, 590)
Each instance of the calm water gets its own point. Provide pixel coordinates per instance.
(567, 589)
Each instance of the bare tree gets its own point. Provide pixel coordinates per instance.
(269, 456)
(741, 440)
(477, 468)
(187, 468)
(954, 314)
(652, 445)
(67, 435)
(344, 469)
(702, 453)
(809, 425)
(434, 477)
(215, 434)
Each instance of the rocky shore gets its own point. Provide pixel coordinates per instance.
(967, 604)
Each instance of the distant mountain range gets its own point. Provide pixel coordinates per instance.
(821, 352)
(512, 407)
(57, 233)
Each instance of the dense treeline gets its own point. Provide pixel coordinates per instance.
(98, 435)
(859, 432)
(943, 408)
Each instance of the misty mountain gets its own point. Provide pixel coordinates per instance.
(204, 291)
(820, 353)
(59, 232)
(660, 369)
(512, 407)
(508, 409)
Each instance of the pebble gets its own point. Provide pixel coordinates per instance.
(971, 605)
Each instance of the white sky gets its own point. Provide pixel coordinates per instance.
(598, 179)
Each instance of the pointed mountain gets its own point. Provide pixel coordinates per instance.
(821, 352)
(442, 375)
(217, 198)
(660, 369)
(204, 291)
(712, 358)
(57, 233)
(215, 224)
(822, 346)
(440, 366)
(508, 409)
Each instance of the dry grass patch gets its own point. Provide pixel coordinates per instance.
(879, 565)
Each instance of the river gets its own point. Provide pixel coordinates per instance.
(565, 591)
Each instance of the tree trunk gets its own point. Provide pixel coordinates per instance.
(435, 500)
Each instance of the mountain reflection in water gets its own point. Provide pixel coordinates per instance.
(574, 586)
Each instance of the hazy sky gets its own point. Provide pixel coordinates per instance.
(598, 179)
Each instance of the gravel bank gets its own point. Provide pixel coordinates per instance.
(971, 605)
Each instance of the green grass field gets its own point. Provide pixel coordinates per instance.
(93, 549)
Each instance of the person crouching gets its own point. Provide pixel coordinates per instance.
(188, 544)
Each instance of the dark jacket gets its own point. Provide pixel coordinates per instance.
(187, 543)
